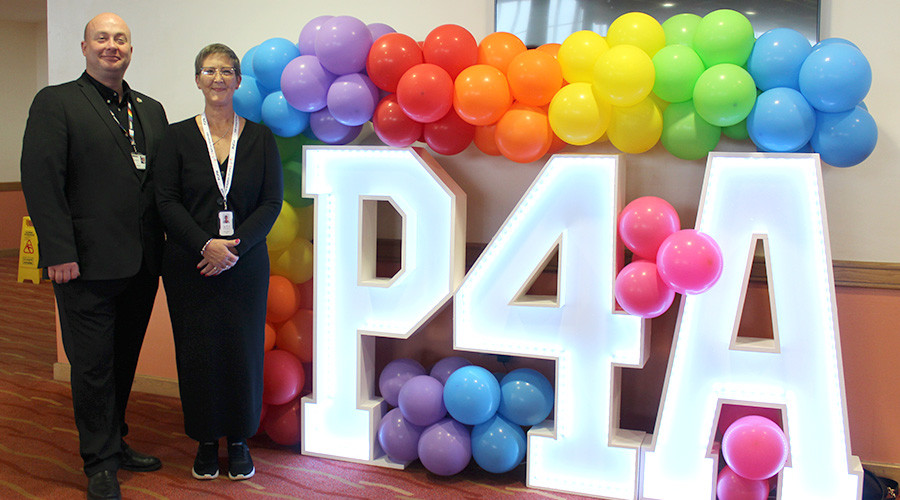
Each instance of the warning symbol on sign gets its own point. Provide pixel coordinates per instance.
(28, 253)
(28, 248)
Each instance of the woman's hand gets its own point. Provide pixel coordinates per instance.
(219, 255)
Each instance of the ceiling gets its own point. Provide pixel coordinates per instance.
(25, 11)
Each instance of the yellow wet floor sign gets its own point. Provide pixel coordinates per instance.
(28, 253)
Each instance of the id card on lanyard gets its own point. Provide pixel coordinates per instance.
(139, 159)
(226, 217)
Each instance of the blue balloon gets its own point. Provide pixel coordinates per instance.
(248, 99)
(777, 57)
(781, 120)
(472, 395)
(281, 117)
(829, 41)
(247, 62)
(845, 139)
(526, 397)
(270, 58)
(498, 445)
(835, 77)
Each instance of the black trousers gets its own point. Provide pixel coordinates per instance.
(103, 323)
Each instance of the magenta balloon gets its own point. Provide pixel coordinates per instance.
(445, 448)
(399, 438)
(342, 45)
(305, 83)
(641, 292)
(446, 366)
(331, 131)
(352, 99)
(308, 34)
(730, 486)
(378, 30)
(394, 375)
(645, 223)
(689, 261)
(755, 447)
(421, 400)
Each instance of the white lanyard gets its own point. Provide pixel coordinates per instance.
(224, 187)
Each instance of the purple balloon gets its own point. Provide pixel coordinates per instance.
(270, 59)
(394, 375)
(445, 367)
(352, 99)
(308, 34)
(399, 438)
(378, 30)
(305, 83)
(331, 131)
(343, 44)
(445, 448)
(421, 400)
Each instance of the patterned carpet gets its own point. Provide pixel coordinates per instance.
(38, 441)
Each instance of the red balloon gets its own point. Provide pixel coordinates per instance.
(641, 292)
(451, 47)
(731, 486)
(450, 135)
(296, 335)
(390, 56)
(392, 125)
(306, 294)
(645, 223)
(282, 423)
(425, 93)
(283, 377)
(523, 135)
(485, 139)
(689, 261)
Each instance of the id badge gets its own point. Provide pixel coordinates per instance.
(226, 223)
(140, 161)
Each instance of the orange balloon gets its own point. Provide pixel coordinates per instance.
(523, 135)
(283, 299)
(485, 139)
(550, 48)
(296, 335)
(481, 94)
(270, 337)
(498, 49)
(534, 77)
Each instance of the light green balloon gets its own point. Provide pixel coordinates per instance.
(677, 69)
(293, 184)
(685, 134)
(680, 29)
(738, 131)
(724, 36)
(724, 94)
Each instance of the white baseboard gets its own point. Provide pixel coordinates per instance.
(142, 383)
(884, 470)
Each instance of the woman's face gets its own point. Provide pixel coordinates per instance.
(217, 79)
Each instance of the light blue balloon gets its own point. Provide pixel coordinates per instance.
(835, 77)
(269, 61)
(829, 41)
(845, 139)
(247, 62)
(781, 120)
(498, 445)
(777, 57)
(472, 395)
(281, 117)
(248, 99)
(526, 397)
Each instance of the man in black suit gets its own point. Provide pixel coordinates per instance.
(87, 172)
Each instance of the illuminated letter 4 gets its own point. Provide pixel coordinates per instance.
(777, 199)
(353, 305)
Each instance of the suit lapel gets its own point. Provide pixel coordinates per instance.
(99, 105)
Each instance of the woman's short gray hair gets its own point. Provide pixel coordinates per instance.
(217, 48)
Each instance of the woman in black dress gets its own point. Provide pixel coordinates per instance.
(219, 190)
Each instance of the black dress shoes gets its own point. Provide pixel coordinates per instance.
(103, 485)
(136, 461)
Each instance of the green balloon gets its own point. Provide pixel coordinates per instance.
(677, 69)
(724, 36)
(680, 29)
(291, 148)
(293, 184)
(738, 131)
(685, 134)
(724, 94)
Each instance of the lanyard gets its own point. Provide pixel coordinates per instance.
(130, 131)
(225, 187)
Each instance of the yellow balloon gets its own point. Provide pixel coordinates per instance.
(638, 29)
(284, 230)
(575, 115)
(305, 222)
(624, 75)
(578, 53)
(636, 129)
(295, 263)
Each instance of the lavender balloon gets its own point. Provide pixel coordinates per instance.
(352, 99)
(342, 45)
(378, 30)
(398, 437)
(331, 131)
(421, 400)
(305, 83)
(445, 448)
(445, 367)
(394, 375)
(308, 34)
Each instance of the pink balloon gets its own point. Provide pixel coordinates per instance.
(731, 486)
(755, 447)
(283, 377)
(731, 412)
(689, 261)
(641, 292)
(282, 423)
(645, 223)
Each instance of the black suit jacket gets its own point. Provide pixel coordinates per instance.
(88, 202)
